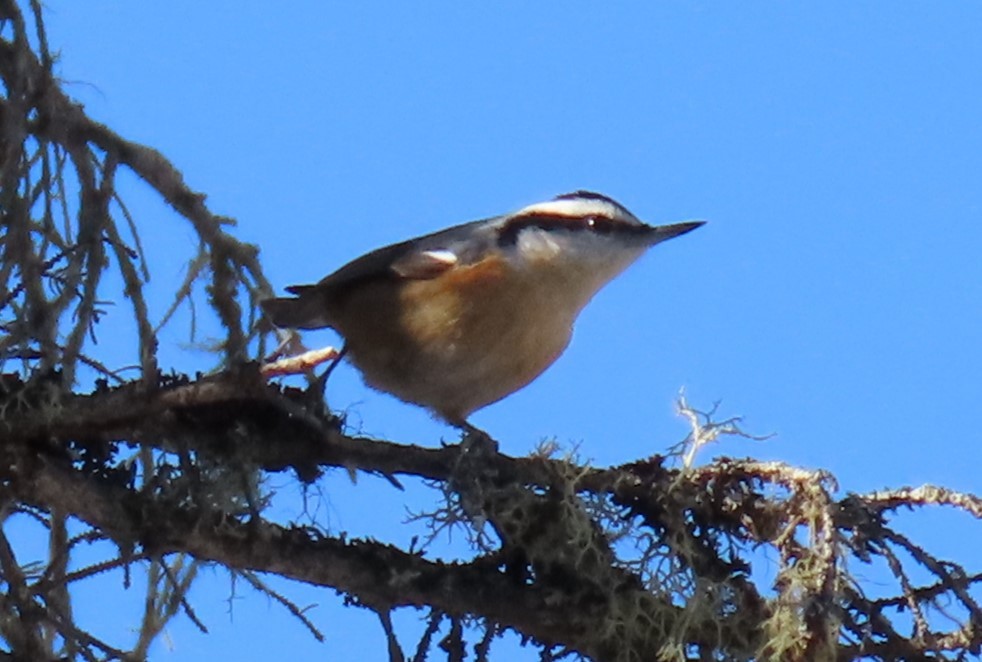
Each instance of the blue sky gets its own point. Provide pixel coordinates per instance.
(835, 149)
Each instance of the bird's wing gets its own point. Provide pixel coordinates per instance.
(419, 259)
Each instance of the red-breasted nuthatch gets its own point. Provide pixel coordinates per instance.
(459, 319)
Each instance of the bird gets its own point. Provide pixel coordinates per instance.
(456, 320)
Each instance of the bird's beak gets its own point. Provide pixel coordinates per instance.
(659, 233)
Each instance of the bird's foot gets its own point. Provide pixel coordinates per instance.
(477, 441)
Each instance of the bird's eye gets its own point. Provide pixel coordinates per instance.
(598, 224)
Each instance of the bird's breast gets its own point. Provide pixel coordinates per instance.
(462, 340)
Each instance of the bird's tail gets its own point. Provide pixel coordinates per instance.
(306, 311)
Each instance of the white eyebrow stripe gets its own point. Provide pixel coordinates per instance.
(576, 208)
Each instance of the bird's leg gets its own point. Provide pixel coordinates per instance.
(304, 364)
(322, 380)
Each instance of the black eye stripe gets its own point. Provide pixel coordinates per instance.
(595, 223)
(601, 224)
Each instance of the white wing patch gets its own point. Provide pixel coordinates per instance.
(424, 265)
